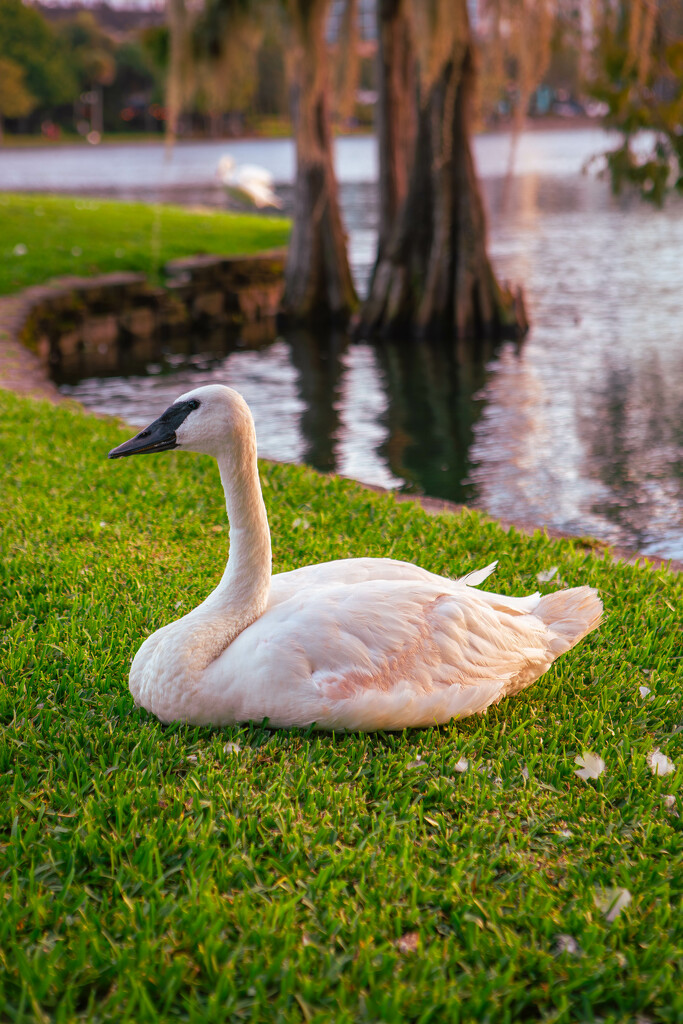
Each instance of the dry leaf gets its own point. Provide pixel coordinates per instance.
(567, 944)
(670, 804)
(592, 766)
(659, 763)
(612, 901)
(408, 943)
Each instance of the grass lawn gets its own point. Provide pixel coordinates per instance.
(47, 236)
(151, 873)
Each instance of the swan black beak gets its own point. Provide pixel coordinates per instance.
(158, 436)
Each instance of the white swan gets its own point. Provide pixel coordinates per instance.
(361, 643)
(247, 183)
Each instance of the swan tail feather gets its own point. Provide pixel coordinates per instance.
(569, 615)
(477, 576)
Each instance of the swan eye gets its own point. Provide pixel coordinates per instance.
(193, 404)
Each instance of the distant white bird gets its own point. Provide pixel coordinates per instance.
(247, 183)
(362, 643)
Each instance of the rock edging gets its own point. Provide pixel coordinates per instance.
(45, 323)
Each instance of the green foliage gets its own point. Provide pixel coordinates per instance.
(642, 86)
(151, 873)
(85, 237)
(28, 40)
(15, 99)
(156, 44)
(91, 51)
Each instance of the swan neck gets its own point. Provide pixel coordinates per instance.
(247, 574)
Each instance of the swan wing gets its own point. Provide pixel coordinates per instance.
(381, 654)
(254, 192)
(261, 195)
(350, 571)
(252, 172)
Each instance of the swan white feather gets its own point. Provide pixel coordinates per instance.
(354, 644)
(247, 183)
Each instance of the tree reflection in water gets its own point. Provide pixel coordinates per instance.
(633, 445)
(400, 415)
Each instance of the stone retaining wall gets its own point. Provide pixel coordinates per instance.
(76, 314)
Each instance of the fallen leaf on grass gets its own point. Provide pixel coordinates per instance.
(670, 804)
(592, 766)
(567, 944)
(408, 943)
(612, 901)
(659, 763)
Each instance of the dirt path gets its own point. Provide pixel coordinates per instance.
(21, 370)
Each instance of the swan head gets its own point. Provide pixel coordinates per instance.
(208, 420)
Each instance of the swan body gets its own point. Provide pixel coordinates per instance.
(247, 183)
(354, 644)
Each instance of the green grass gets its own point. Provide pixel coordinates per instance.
(67, 235)
(151, 873)
(16, 140)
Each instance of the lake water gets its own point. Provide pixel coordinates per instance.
(580, 428)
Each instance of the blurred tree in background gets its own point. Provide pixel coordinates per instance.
(639, 76)
(318, 282)
(31, 43)
(92, 61)
(15, 99)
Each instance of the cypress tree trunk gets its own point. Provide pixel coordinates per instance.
(433, 273)
(397, 114)
(318, 283)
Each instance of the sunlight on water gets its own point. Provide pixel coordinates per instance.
(583, 428)
(362, 406)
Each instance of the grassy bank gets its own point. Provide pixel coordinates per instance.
(151, 873)
(48, 236)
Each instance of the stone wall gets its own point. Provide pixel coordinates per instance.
(121, 310)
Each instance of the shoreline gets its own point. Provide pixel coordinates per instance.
(531, 126)
(24, 373)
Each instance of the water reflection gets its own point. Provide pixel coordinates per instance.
(432, 408)
(633, 448)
